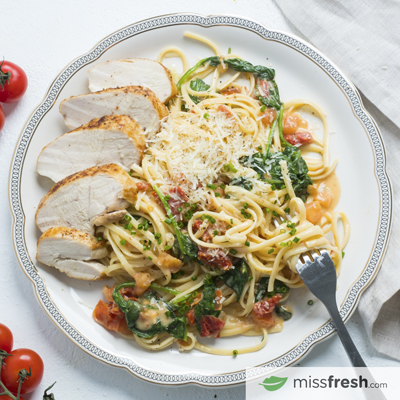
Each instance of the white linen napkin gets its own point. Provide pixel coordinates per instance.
(363, 38)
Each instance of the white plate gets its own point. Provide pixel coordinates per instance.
(302, 72)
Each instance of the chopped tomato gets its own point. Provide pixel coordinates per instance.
(269, 116)
(226, 110)
(230, 90)
(266, 322)
(324, 195)
(191, 317)
(263, 310)
(292, 122)
(263, 87)
(197, 224)
(313, 212)
(210, 326)
(102, 314)
(299, 138)
(218, 299)
(143, 186)
(214, 258)
(143, 281)
(177, 200)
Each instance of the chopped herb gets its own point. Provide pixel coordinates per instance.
(275, 214)
(194, 278)
(267, 210)
(128, 218)
(99, 239)
(289, 243)
(206, 116)
(228, 226)
(159, 241)
(180, 209)
(157, 235)
(167, 198)
(250, 278)
(167, 221)
(222, 186)
(133, 233)
(270, 251)
(273, 187)
(296, 240)
(232, 221)
(212, 186)
(259, 148)
(123, 242)
(283, 230)
(166, 248)
(246, 206)
(215, 233)
(310, 302)
(229, 167)
(235, 353)
(217, 195)
(187, 204)
(233, 251)
(180, 224)
(343, 253)
(209, 218)
(129, 173)
(283, 244)
(229, 50)
(287, 210)
(227, 196)
(247, 243)
(263, 108)
(293, 231)
(149, 258)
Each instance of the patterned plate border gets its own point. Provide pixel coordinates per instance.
(355, 291)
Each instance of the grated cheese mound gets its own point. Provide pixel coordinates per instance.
(191, 151)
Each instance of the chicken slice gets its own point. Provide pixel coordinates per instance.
(139, 103)
(70, 251)
(133, 71)
(114, 139)
(77, 200)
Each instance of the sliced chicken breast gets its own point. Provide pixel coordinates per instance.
(70, 251)
(77, 200)
(114, 139)
(133, 71)
(139, 103)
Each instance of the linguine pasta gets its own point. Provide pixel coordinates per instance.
(206, 163)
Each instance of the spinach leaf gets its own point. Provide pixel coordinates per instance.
(281, 312)
(279, 287)
(297, 168)
(237, 277)
(199, 86)
(214, 61)
(190, 249)
(244, 66)
(242, 182)
(132, 310)
(273, 100)
(207, 304)
(186, 249)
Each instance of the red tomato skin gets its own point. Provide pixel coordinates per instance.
(9, 398)
(21, 359)
(16, 87)
(2, 118)
(6, 337)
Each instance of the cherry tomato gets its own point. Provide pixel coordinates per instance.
(6, 337)
(2, 118)
(9, 398)
(21, 359)
(13, 82)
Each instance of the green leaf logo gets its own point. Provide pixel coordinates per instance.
(273, 383)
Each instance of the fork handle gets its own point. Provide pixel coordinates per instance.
(344, 336)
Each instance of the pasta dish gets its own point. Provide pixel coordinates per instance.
(233, 186)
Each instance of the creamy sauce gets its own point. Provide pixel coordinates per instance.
(333, 184)
(152, 312)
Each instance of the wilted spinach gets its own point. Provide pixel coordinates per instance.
(237, 277)
(242, 182)
(279, 287)
(132, 310)
(190, 249)
(281, 312)
(198, 85)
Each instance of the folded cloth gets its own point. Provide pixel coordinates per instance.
(362, 37)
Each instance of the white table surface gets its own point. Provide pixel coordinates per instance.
(43, 36)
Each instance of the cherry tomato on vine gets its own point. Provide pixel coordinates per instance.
(6, 337)
(2, 118)
(13, 82)
(21, 359)
(9, 398)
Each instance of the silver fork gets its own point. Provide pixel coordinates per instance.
(318, 273)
